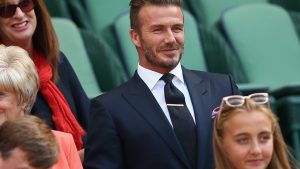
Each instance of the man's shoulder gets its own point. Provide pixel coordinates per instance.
(115, 93)
(205, 75)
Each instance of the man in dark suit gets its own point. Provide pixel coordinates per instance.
(136, 126)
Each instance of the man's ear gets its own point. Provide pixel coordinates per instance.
(135, 37)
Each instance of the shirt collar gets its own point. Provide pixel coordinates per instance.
(151, 77)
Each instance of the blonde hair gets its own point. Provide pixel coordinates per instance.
(281, 157)
(18, 74)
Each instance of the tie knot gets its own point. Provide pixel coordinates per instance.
(167, 78)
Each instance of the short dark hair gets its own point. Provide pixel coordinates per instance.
(136, 5)
(32, 136)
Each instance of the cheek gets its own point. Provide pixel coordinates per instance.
(14, 111)
(268, 152)
(156, 41)
(4, 29)
(34, 19)
(237, 156)
(236, 153)
(180, 39)
(3, 24)
(2, 118)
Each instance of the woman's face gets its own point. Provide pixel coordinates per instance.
(18, 29)
(248, 140)
(9, 106)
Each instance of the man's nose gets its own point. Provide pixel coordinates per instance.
(169, 36)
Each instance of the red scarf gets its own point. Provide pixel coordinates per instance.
(62, 115)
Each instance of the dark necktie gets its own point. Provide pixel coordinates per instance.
(183, 123)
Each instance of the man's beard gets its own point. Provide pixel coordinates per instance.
(152, 59)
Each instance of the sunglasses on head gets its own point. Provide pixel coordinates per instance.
(238, 101)
(8, 10)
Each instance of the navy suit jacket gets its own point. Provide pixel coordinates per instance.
(128, 129)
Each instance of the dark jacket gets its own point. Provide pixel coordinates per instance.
(128, 129)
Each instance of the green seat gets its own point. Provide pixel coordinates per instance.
(79, 14)
(291, 5)
(289, 119)
(266, 43)
(71, 9)
(208, 12)
(57, 8)
(193, 55)
(218, 55)
(72, 46)
(108, 69)
(102, 14)
(296, 20)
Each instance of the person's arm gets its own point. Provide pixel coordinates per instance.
(103, 148)
(73, 156)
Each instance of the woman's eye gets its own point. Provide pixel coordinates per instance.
(242, 140)
(264, 138)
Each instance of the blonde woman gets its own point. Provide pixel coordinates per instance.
(19, 84)
(246, 135)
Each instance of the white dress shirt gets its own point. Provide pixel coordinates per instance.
(156, 86)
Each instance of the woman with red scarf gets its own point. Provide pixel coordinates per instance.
(61, 101)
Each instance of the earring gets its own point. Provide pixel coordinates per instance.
(27, 108)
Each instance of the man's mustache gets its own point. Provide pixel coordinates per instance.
(174, 46)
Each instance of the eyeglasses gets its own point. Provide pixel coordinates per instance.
(8, 10)
(238, 101)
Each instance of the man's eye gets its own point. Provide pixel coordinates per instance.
(178, 29)
(157, 30)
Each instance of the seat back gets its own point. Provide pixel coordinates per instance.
(57, 8)
(193, 55)
(79, 14)
(72, 46)
(208, 12)
(71, 9)
(103, 13)
(218, 55)
(266, 43)
(108, 69)
(291, 5)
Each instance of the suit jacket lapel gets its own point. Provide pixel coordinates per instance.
(200, 96)
(141, 98)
